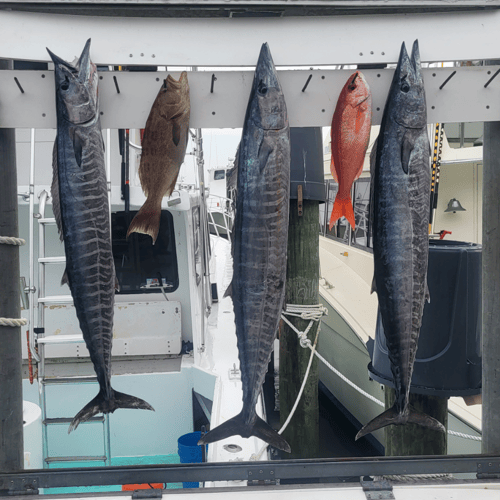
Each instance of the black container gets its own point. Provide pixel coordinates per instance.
(448, 361)
(306, 163)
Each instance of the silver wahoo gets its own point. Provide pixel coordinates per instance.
(400, 206)
(80, 204)
(260, 245)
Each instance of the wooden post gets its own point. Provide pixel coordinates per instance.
(491, 289)
(11, 388)
(301, 288)
(412, 439)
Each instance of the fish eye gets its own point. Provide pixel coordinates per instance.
(65, 84)
(405, 87)
(261, 88)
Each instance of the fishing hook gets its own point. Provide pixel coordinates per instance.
(214, 79)
(447, 80)
(491, 79)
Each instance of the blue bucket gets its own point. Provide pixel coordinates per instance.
(190, 452)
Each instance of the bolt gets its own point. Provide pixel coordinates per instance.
(249, 473)
(260, 472)
(272, 472)
(361, 53)
(130, 55)
(153, 55)
(44, 115)
(479, 465)
(489, 464)
(383, 53)
(43, 76)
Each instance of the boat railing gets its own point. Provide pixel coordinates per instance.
(220, 215)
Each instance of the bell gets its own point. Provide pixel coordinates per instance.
(454, 206)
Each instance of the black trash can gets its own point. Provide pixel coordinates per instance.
(448, 361)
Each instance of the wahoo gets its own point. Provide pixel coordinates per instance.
(80, 205)
(260, 245)
(400, 202)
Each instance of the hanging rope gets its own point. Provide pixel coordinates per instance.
(8, 240)
(13, 322)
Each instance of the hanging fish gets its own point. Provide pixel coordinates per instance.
(80, 204)
(400, 203)
(163, 150)
(350, 133)
(260, 245)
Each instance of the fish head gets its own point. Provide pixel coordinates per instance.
(267, 106)
(76, 87)
(407, 93)
(356, 90)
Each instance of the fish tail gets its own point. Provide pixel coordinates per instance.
(342, 208)
(147, 220)
(393, 417)
(101, 404)
(236, 425)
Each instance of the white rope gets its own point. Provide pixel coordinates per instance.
(8, 240)
(13, 322)
(465, 436)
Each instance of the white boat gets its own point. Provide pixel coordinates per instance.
(346, 261)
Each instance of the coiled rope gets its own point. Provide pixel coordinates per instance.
(8, 240)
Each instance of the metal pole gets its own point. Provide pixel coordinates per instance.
(491, 289)
(11, 383)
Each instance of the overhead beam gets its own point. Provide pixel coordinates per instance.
(306, 40)
(463, 99)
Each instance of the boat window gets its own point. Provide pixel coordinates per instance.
(140, 265)
(361, 235)
(219, 175)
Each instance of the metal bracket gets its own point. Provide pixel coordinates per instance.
(489, 469)
(378, 490)
(261, 477)
(153, 493)
(21, 487)
(300, 200)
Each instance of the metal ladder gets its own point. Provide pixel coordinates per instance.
(42, 340)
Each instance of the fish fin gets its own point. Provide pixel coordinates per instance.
(147, 220)
(393, 417)
(333, 170)
(176, 132)
(342, 208)
(100, 404)
(264, 431)
(229, 291)
(265, 150)
(117, 284)
(427, 293)
(406, 149)
(54, 191)
(424, 420)
(78, 148)
(388, 417)
(64, 279)
(374, 286)
(236, 425)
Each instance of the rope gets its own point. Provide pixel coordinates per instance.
(8, 240)
(313, 313)
(13, 322)
(465, 436)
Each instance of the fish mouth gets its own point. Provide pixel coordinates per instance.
(362, 101)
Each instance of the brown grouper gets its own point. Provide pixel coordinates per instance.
(81, 209)
(400, 204)
(163, 150)
(259, 246)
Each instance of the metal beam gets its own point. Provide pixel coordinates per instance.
(483, 465)
(225, 106)
(11, 388)
(349, 39)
